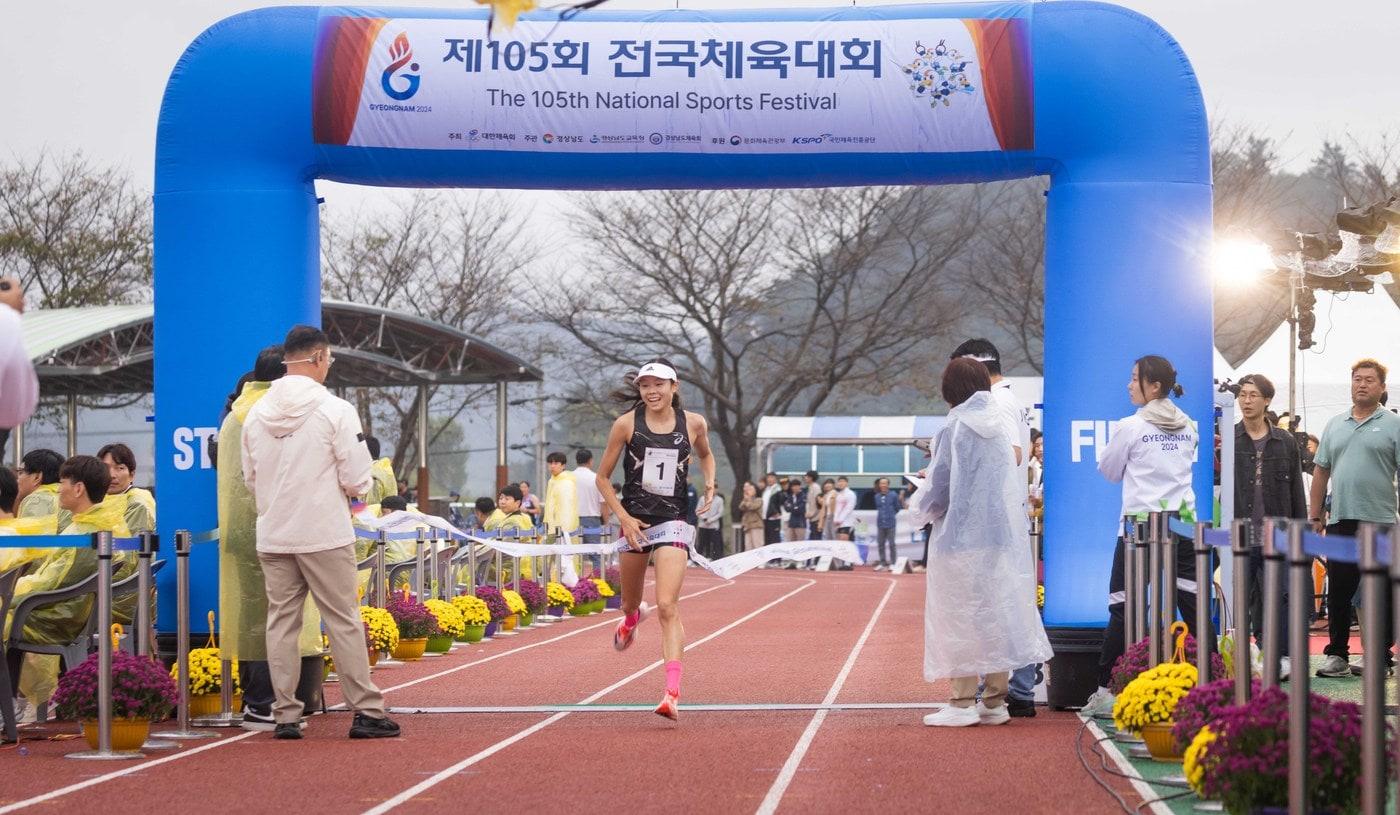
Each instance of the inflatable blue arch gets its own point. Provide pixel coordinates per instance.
(1097, 97)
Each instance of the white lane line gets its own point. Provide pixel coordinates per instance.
(432, 781)
(493, 657)
(1146, 792)
(135, 768)
(714, 707)
(789, 770)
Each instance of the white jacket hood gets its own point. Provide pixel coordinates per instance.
(289, 402)
(979, 414)
(1164, 414)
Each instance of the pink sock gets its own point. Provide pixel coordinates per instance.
(673, 677)
(631, 619)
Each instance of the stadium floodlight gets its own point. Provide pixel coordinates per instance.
(1240, 261)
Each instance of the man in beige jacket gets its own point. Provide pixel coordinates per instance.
(304, 457)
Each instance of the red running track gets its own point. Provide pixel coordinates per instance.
(771, 637)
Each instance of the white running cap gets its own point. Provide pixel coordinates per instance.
(658, 370)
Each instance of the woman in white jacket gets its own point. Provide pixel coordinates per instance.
(980, 620)
(1151, 453)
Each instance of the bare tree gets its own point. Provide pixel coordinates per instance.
(1007, 272)
(767, 301)
(75, 234)
(452, 258)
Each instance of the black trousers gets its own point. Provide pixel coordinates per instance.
(773, 531)
(1185, 602)
(1256, 600)
(255, 683)
(710, 543)
(1343, 580)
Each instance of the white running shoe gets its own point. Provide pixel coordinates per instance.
(1100, 705)
(992, 715)
(953, 717)
(880, 567)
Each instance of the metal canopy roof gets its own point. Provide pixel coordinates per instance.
(108, 349)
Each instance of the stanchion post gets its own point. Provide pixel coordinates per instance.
(1273, 605)
(225, 686)
(1140, 576)
(381, 577)
(471, 568)
(1300, 590)
(1374, 583)
(1166, 540)
(500, 564)
(1205, 588)
(1130, 587)
(143, 593)
(1155, 630)
(1239, 552)
(182, 644)
(420, 567)
(102, 541)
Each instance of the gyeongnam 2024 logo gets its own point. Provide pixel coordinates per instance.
(937, 73)
(400, 55)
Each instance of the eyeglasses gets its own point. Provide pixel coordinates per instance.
(313, 359)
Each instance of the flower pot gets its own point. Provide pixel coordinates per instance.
(127, 734)
(526, 620)
(373, 656)
(613, 602)
(440, 644)
(491, 628)
(411, 650)
(508, 624)
(207, 704)
(579, 609)
(556, 611)
(1158, 738)
(473, 633)
(598, 605)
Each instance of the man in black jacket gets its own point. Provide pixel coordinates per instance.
(1268, 484)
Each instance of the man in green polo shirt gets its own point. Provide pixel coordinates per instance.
(1358, 456)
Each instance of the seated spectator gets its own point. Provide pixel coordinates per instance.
(139, 506)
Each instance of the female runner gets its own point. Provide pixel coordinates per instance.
(659, 440)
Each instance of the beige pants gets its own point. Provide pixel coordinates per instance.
(993, 690)
(753, 539)
(329, 575)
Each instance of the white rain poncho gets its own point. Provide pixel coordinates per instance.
(980, 614)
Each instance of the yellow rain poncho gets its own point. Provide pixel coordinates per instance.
(43, 502)
(384, 485)
(60, 623)
(515, 521)
(139, 509)
(11, 558)
(242, 593)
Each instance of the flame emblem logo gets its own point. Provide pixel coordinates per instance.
(400, 55)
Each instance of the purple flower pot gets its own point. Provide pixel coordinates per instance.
(491, 628)
(557, 611)
(615, 601)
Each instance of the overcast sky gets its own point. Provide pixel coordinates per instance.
(89, 75)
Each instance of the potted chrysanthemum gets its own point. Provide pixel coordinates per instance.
(613, 575)
(605, 593)
(1148, 703)
(141, 692)
(1137, 659)
(560, 598)
(383, 631)
(497, 605)
(416, 623)
(475, 617)
(206, 682)
(535, 601)
(450, 626)
(585, 595)
(516, 603)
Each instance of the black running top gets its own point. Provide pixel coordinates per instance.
(655, 469)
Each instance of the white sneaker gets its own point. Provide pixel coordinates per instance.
(1285, 668)
(880, 567)
(953, 717)
(1334, 666)
(992, 715)
(917, 570)
(1100, 705)
(25, 713)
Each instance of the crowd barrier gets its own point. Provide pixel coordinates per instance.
(1287, 547)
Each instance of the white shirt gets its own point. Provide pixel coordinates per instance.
(590, 501)
(19, 387)
(845, 511)
(1153, 464)
(1018, 425)
(303, 452)
(710, 519)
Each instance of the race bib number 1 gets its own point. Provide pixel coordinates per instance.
(659, 471)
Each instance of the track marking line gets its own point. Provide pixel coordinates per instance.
(135, 768)
(422, 786)
(717, 707)
(785, 776)
(493, 657)
(1144, 791)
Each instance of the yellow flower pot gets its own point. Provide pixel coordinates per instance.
(127, 734)
(508, 624)
(411, 650)
(209, 704)
(373, 657)
(1158, 738)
